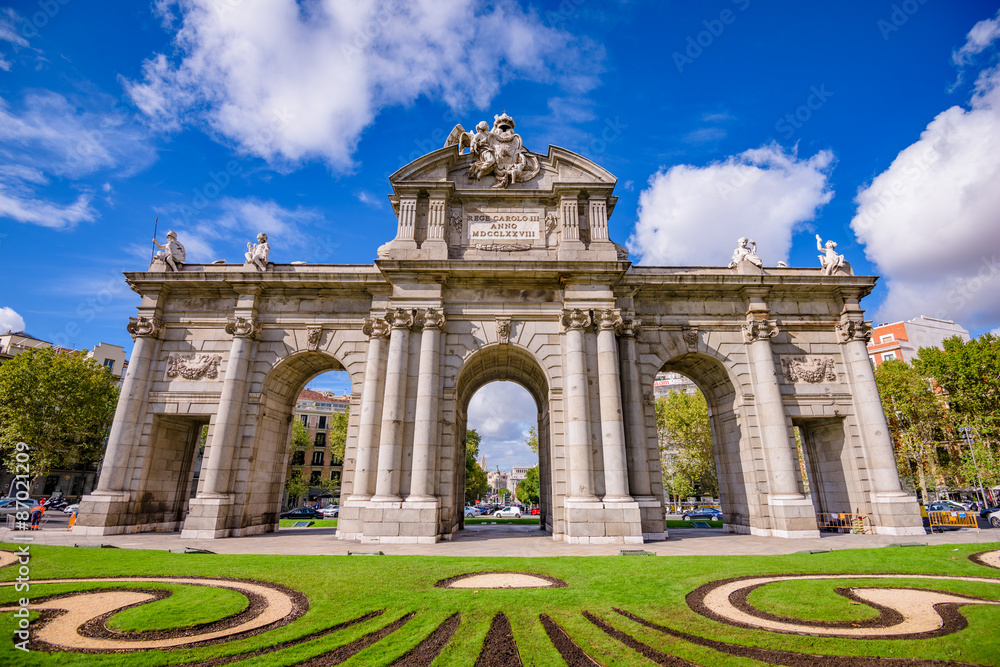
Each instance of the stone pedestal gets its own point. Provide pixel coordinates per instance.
(207, 518)
(596, 522)
(390, 522)
(897, 515)
(654, 522)
(792, 517)
(102, 513)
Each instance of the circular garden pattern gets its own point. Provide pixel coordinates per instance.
(81, 618)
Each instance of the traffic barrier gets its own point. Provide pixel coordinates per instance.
(844, 522)
(954, 519)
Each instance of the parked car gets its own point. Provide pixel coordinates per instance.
(703, 514)
(301, 513)
(945, 506)
(71, 509)
(12, 506)
(472, 512)
(536, 510)
(331, 512)
(509, 512)
(995, 519)
(985, 513)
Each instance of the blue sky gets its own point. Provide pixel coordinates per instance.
(876, 124)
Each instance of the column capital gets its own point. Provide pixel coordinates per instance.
(575, 319)
(376, 327)
(854, 328)
(631, 328)
(758, 327)
(399, 318)
(144, 327)
(243, 327)
(431, 318)
(609, 319)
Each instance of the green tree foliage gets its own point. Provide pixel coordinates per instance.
(337, 438)
(296, 487)
(919, 422)
(685, 437)
(969, 373)
(503, 493)
(475, 476)
(300, 436)
(60, 403)
(527, 488)
(532, 441)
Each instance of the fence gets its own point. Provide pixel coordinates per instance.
(957, 519)
(844, 522)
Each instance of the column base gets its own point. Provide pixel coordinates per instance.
(897, 514)
(391, 521)
(654, 523)
(596, 522)
(103, 513)
(792, 517)
(208, 518)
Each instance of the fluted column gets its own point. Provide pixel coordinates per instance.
(570, 216)
(609, 322)
(371, 408)
(635, 423)
(855, 334)
(427, 419)
(390, 451)
(114, 469)
(580, 473)
(784, 473)
(406, 229)
(219, 463)
(598, 218)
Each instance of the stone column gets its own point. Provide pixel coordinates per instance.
(371, 408)
(609, 322)
(855, 334)
(425, 434)
(114, 469)
(635, 421)
(217, 468)
(390, 451)
(783, 470)
(580, 473)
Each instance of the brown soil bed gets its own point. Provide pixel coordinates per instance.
(568, 649)
(424, 653)
(499, 649)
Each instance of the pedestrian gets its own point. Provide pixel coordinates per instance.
(36, 516)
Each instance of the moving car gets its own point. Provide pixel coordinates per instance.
(301, 513)
(703, 514)
(331, 512)
(986, 512)
(509, 512)
(471, 512)
(70, 509)
(995, 519)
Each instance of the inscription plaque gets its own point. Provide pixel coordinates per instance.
(498, 226)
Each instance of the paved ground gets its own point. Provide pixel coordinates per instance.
(486, 540)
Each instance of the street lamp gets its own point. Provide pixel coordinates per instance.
(966, 431)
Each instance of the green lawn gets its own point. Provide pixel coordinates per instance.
(478, 521)
(316, 523)
(341, 588)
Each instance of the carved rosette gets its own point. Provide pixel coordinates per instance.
(690, 335)
(243, 327)
(193, 366)
(575, 319)
(631, 328)
(609, 319)
(376, 328)
(759, 328)
(855, 329)
(809, 369)
(432, 318)
(399, 318)
(313, 337)
(148, 327)
(503, 330)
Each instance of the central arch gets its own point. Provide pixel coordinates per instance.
(509, 363)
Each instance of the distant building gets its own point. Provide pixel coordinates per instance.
(111, 357)
(902, 340)
(316, 463)
(664, 383)
(14, 343)
(517, 473)
(496, 480)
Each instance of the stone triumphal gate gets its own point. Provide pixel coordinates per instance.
(501, 269)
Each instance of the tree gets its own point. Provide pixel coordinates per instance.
(338, 433)
(300, 436)
(475, 476)
(296, 486)
(503, 493)
(918, 419)
(527, 488)
(685, 436)
(532, 441)
(61, 404)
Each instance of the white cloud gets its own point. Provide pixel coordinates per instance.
(288, 81)
(10, 320)
(368, 199)
(692, 215)
(930, 221)
(50, 135)
(982, 35)
(502, 413)
(8, 33)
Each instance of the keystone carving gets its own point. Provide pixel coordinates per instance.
(690, 335)
(144, 326)
(503, 330)
(243, 327)
(576, 319)
(376, 328)
(759, 329)
(855, 329)
(313, 336)
(809, 369)
(193, 366)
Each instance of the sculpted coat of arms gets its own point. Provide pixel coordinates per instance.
(499, 151)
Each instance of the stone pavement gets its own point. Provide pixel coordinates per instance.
(501, 540)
